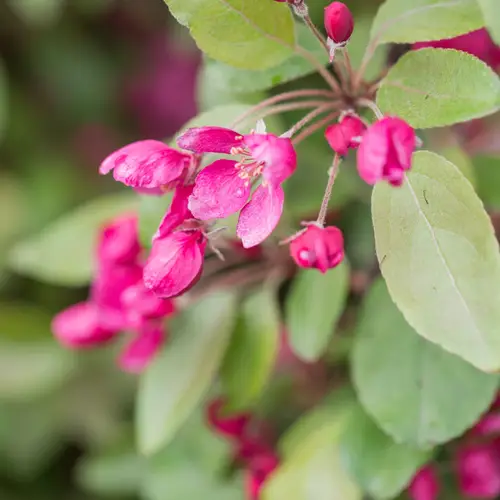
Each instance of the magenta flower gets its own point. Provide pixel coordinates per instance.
(231, 425)
(147, 165)
(489, 424)
(261, 467)
(319, 248)
(345, 135)
(424, 485)
(118, 241)
(175, 263)
(142, 349)
(386, 151)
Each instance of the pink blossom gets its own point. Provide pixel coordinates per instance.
(386, 151)
(259, 470)
(142, 349)
(80, 326)
(345, 135)
(147, 164)
(489, 424)
(425, 484)
(175, 263)
(478, 470)
(118, 241)
(339, 23)
(317, 247)
(231, 425)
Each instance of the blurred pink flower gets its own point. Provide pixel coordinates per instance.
(425, 484)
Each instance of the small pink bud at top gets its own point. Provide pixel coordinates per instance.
(424, 485)
(142, 349)
(118, 241)
(478, 470)
(386, 151)
(175, 263)
(259, 470)
(231, 425)
(346, 134)
(147, 164)
(79, 326)
(339, 23)
(319, 248)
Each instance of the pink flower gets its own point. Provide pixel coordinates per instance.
(478, 43)
(147, 165)
(320, 248)
(386, 151)
(339, 25)
(478, 469)
(80, 326)
(175, 263)
(489, 424)
(425, 484)
(142, 349)
(233, 425)
(261, 467)
(345, 135)
(118, 241)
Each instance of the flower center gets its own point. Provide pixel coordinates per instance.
(248, 167)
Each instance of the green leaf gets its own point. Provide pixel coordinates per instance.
(238, 80)
(151, 211)
(438, 87)
(247, 35)
(252, 350)
(183, 372)
(408, 21)
(488, 176)
(381, 467)
(416, 392)
(491, 17)
(3, 98)
(63, 252)
(37, 12)
(440, 259)
(313, 307)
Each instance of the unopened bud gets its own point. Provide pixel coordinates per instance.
(339, 25)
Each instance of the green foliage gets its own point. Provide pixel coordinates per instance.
(151, 211)
(438, 87)
(181, 375)
(63, 253)
(313, 307)
(245, 35)
(416, 392)
(37, 12)
(491, 18)
(408, 21)
(487, 170)
(440, 259)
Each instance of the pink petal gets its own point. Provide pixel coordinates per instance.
(232, 425)
(372, 153)
(140, 351)
(146, 164)
(119, 242)
(425, 484)
(175, 263)
(209, 140)
(277, 153)
(260, 215)
(219, 191)
(404, 140)
(177, 213)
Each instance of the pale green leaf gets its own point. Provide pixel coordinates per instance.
(491, 17)
(245, 34)
(408, 21)
(183, 372)
(416, 392)
(253, 348)
(380, 466)
(151, 211)
(439, 87)
(63, 253)
(37, 12)
(313, 307)
(487, 170)
(440, 259)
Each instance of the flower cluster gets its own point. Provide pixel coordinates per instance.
(251, 445)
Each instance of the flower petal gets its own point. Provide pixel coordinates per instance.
(372, 152)
(118, 241)
(209, 140)
(260, 215)
(177, 213)
(219, 191)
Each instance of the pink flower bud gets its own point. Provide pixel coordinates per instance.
(232, 425)
(118, 241)
(339, 23)
(386, 151)
(261, 467)
(489, 424)
(80, 326)
(345, 135)
(320, 248)
(478, 470)
(175, 263)
(424, 485)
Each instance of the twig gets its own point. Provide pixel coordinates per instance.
(328, 191)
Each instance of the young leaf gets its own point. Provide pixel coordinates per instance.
(247, 35)
(440, 259)
(491, 17)
(438, 87)
(252, 351)
(416, 392)
(63, 253)
(380, 466)
(408, 21)
(313, 307)
(183, 372)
